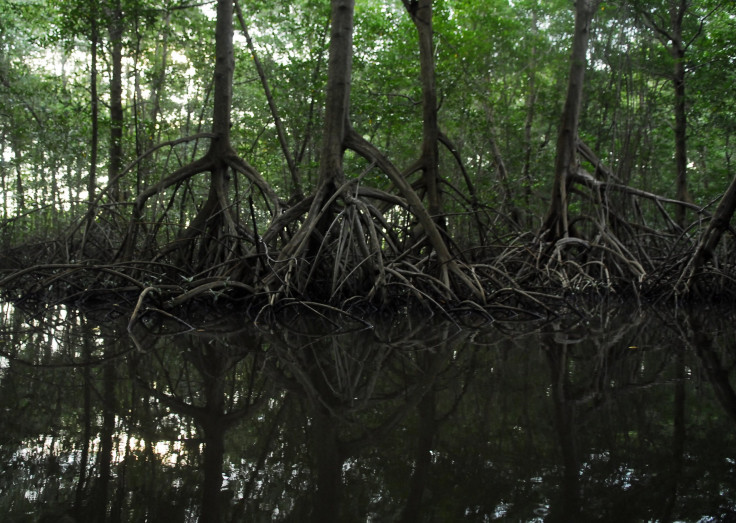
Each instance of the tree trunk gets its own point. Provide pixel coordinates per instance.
(20, 200)
(501, 171)
(215, 213)
(556, 223)
(336, 126)
(339, 72)
(4, 184)
(216, 208)
(421, 15)
(677, 50)
(224, 68)
(115, 31)
(671, 38)
(718, 225)
(92, 179)
(94, 139)
(530, 111)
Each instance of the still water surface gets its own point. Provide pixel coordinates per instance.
(626, 416)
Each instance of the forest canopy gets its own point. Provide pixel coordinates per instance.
(373, 149)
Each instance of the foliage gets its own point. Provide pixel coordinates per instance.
(500, 75)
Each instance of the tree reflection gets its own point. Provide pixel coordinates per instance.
(715, 371)
(210, 375)
(356, 384)
(313, 415)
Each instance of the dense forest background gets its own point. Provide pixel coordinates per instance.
(448, 148)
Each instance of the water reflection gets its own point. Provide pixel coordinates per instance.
(315, 415)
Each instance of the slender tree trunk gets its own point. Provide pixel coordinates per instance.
(281, 133)
(158, 84)
(94, 138)
(677, 50)
(4, 184)
(115, 31)
(531, 98)
(556, 223)
(94, 103)
(55, 197)
(20, 199)
(215, 212)
(421, 15)
(672, 39)
(312, 99)
(220, 146)
(501, 171)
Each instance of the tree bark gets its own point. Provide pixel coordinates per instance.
(501, 171)
(224, 69)
(3, 180)
(20, 200)
(339, 72)
(718, 225)
(672, 39)
(92, 178)
(115, 31)
(215, 213)
(677, 50)
(94, 139)
(556, 222)
(530, 112)
(336, 126)
(421, 15)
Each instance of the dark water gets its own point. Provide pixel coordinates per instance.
(630, 416)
